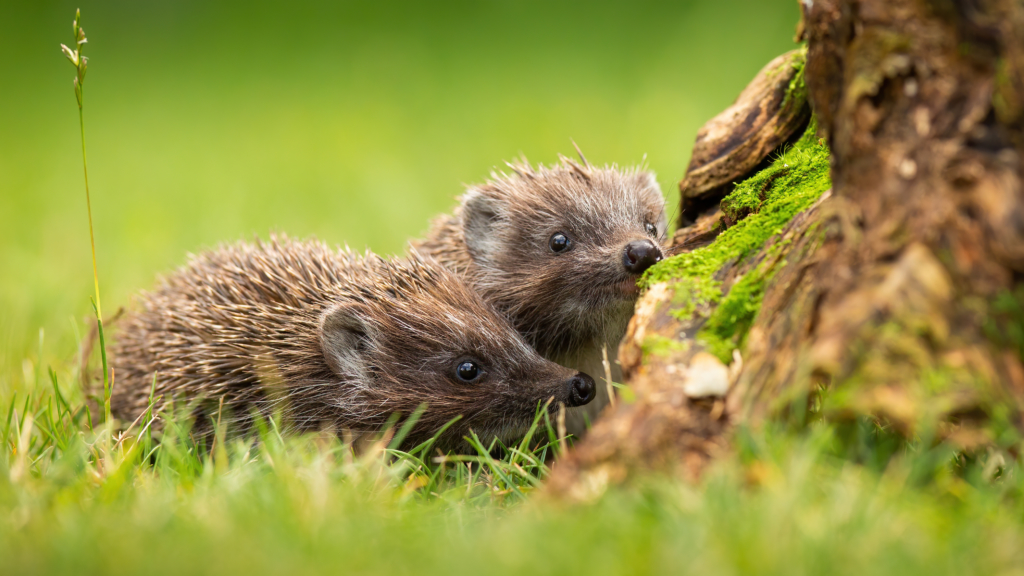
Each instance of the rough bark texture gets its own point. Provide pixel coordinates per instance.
(921, 102)
(900, 297)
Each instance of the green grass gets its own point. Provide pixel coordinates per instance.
(211, 121)
(828, 501)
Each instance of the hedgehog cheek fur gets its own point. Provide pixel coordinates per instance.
(560, 301)
(506, 225)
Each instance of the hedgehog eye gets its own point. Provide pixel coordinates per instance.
(467, 371)
(651, 229)
(559, 242)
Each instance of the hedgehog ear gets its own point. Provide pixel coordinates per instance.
(344, 338)
(480, 215)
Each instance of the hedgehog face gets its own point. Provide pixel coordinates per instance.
(560, 249)
(425, 338)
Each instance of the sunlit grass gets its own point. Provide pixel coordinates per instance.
(81, 500)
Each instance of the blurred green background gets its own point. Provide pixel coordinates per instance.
(356, 122)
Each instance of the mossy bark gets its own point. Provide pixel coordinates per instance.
(897, 297)
(929, 224)
(731, 146)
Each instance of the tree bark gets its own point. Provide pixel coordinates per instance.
(897, 297)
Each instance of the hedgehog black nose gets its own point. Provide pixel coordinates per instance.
(582, 390)
(640, 255)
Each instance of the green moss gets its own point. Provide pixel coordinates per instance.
(801, 173)
(693, 294)
(727, 327)
(658, 345)
(761, 206)
(797, 87)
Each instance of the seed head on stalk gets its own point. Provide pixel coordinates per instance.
(75, 56)
(80, 62)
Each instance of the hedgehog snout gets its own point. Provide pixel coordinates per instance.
(581, 390)
(640, 255)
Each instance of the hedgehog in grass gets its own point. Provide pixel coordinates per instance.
(334, 340)
(558, 250)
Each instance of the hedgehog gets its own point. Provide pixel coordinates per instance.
(334, 340)
(558, 250)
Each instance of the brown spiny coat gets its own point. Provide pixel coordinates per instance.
(334, 340)
(567, 304)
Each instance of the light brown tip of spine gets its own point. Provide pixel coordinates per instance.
(521, 166)
(580, 152)
(582, 171)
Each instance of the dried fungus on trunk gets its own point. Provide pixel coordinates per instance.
(733, 145)
(900, 298)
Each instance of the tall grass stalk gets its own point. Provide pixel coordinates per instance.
(80, 62)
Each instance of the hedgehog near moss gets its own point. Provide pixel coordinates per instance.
(333, 340)
(559, 251)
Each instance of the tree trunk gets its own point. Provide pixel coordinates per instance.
(899, 296)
